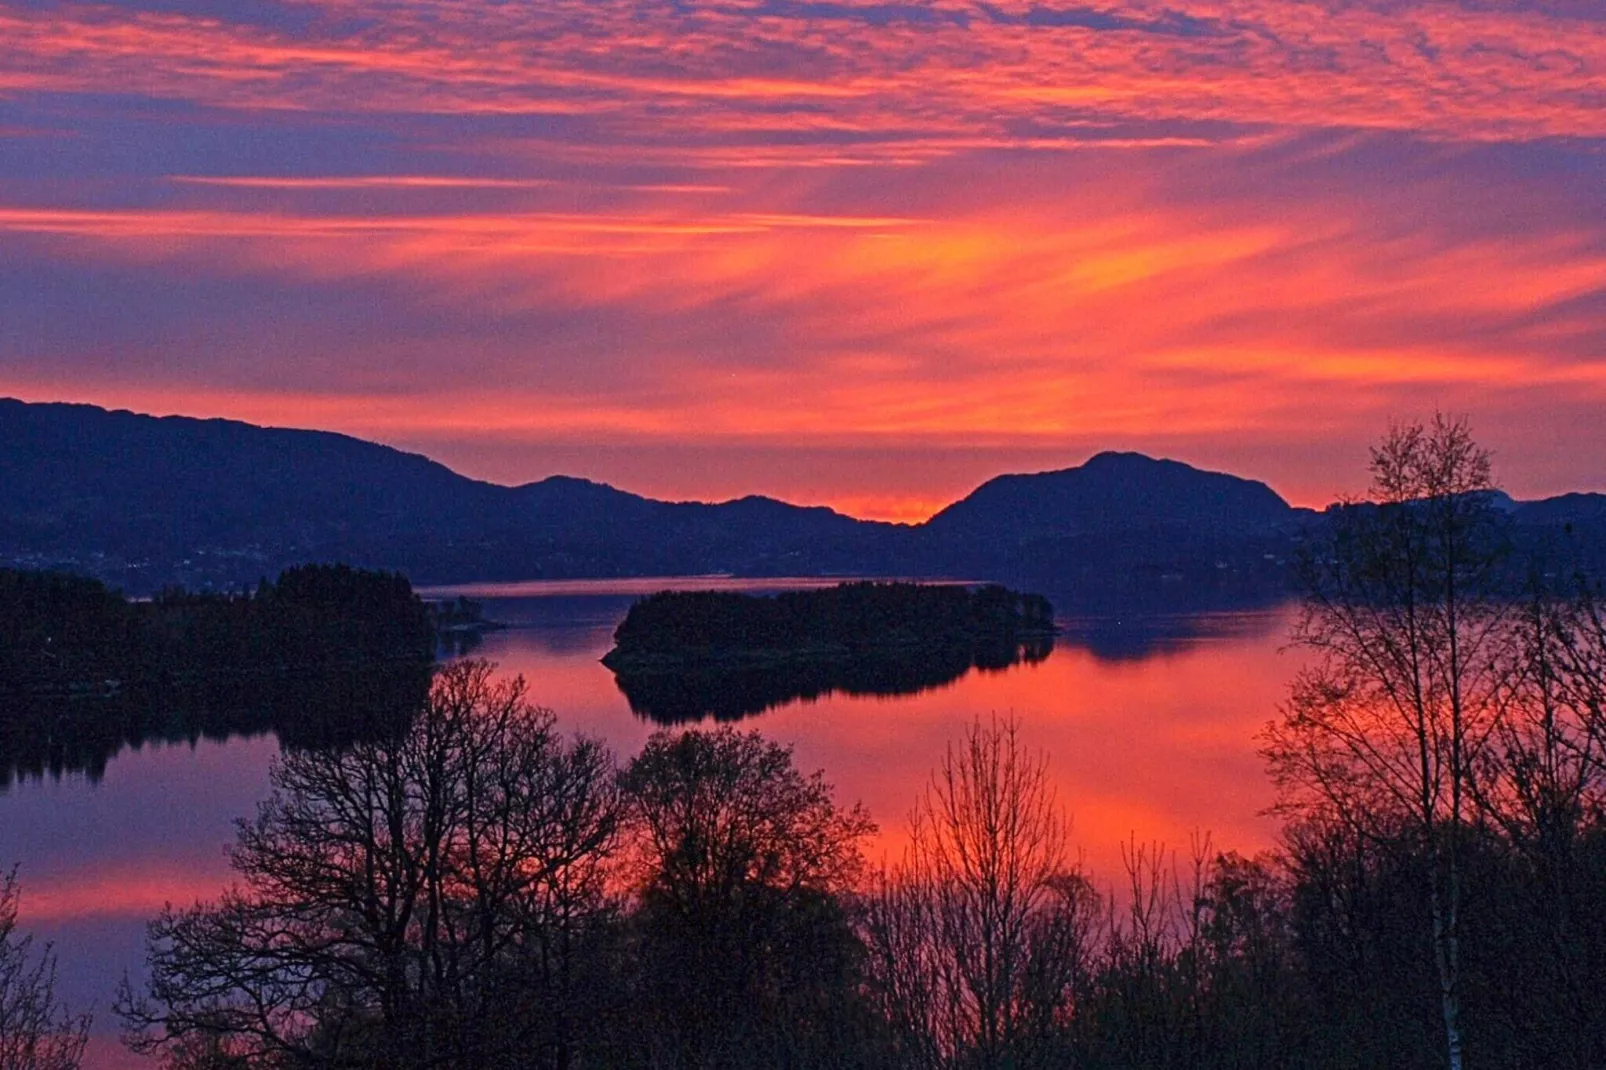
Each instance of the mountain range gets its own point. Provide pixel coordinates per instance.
(145, 501)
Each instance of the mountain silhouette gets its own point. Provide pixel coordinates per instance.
(1565, 509)
(143, 501)
(149, 500)
(1114, 492)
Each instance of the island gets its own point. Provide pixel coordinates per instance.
(686, 655)
(460, 625)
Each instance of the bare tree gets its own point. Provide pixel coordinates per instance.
(404, 903)
(1545, 772)
(1543, 779)
(1388, 729)
(980, 938)
(36, 1032)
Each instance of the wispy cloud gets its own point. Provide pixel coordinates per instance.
(362, 182)
(958, 70)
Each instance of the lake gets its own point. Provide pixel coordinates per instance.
(1148, 720)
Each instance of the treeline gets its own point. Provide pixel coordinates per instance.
(61, 633)
(1439, 899)
(846, 620)
(480, 892)
(320, 656)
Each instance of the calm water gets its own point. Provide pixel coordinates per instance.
(1149, 723)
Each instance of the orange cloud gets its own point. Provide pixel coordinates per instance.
(963, 72)
(1099, 313)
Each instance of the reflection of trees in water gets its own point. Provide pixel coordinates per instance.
(325, 654)
(728, 694)
(57, 736)
(458, 644)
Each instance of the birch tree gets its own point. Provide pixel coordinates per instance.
(1388, 727)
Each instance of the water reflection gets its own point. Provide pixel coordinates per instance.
(728, 695)
(1150, 716)
(1149, 719)
(60, 736)
(1118, 637)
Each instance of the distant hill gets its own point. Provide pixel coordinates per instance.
(1567, 533)
(142, 501)
(145, 501)
(1565, 509)
(1114, 492)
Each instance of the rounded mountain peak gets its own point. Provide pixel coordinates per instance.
(1110, 457)
(1113, 491)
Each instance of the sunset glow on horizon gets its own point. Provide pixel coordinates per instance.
(862, 254)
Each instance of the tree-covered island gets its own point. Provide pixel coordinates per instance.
(674, 631)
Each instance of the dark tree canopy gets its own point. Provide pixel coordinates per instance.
(742, 862)
(414, 902)
(836, 621)
(685, 655)
(63, 634)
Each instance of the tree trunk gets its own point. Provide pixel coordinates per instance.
(1446, 954)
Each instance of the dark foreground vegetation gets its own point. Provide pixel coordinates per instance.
(682, 656)
(480, 891)
(484, 892)
(322, 655)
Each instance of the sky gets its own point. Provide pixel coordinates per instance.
(864, 254)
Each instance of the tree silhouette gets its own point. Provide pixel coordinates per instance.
(981, 937)
(747, 955)
(414, 902)
(36, 1032)
(1403, 609)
